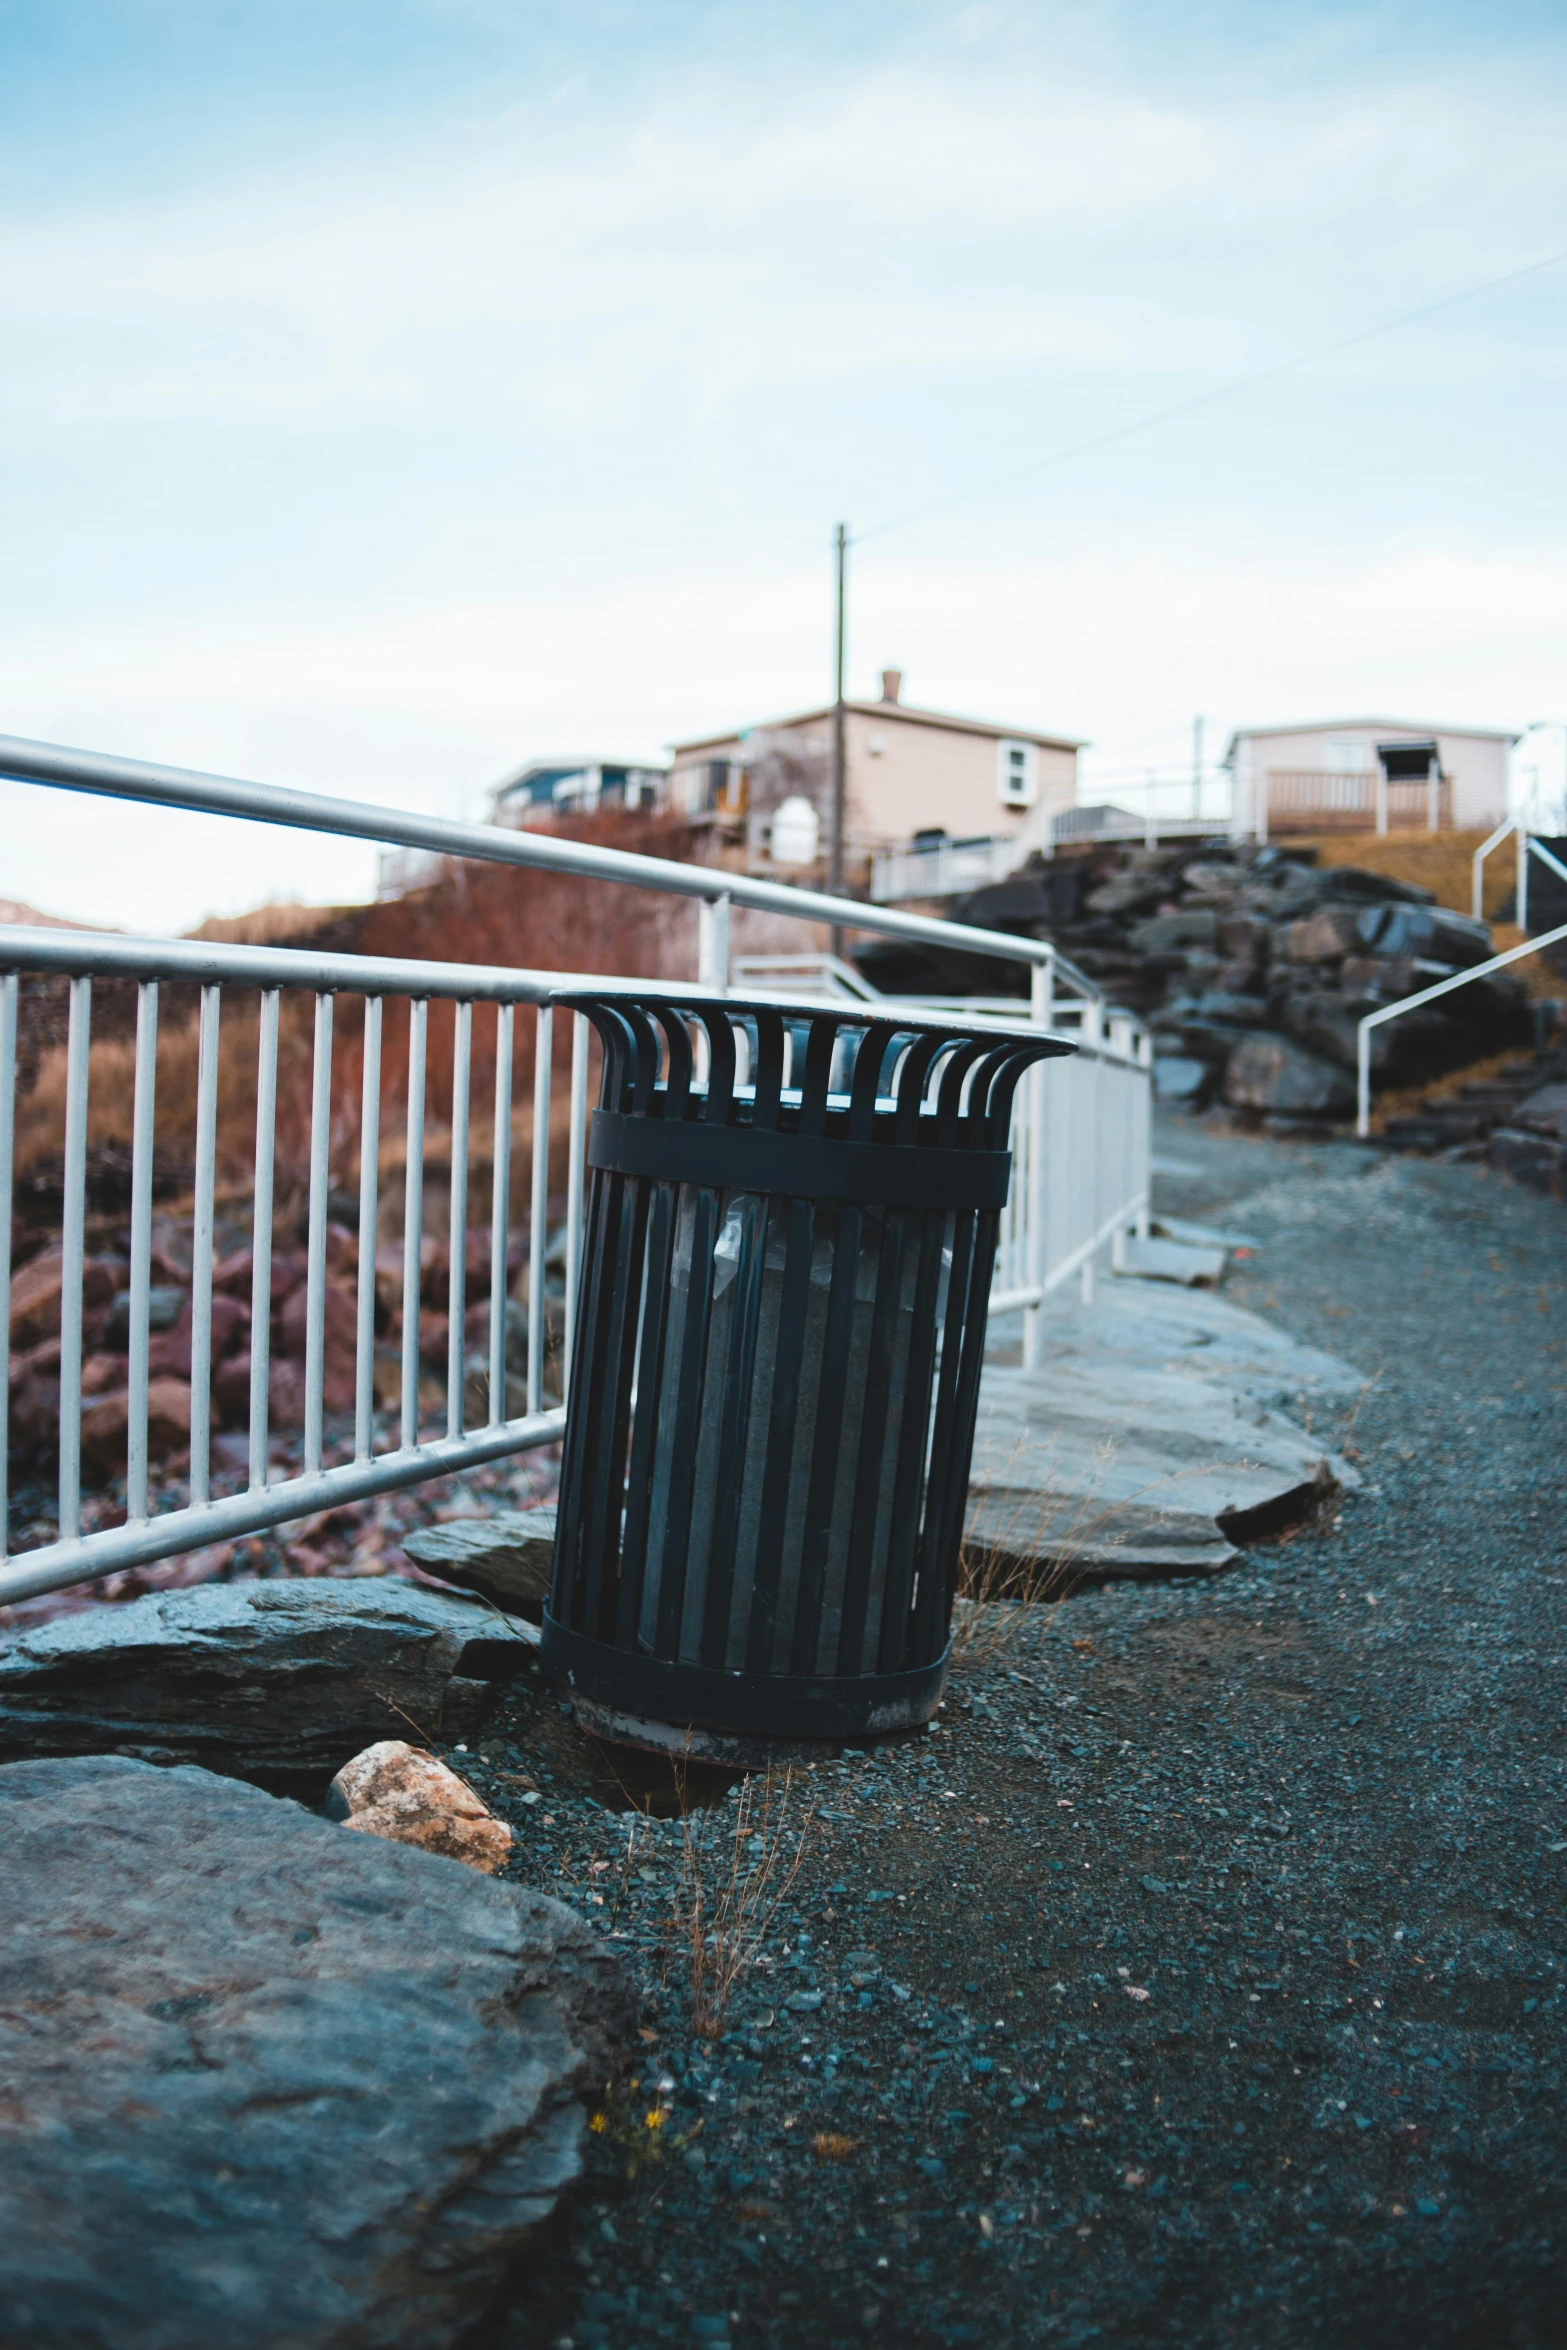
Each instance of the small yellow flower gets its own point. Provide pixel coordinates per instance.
(655, 2119)
(598, 2123)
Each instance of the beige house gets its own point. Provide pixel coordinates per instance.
(1368, 775)
(907, 772)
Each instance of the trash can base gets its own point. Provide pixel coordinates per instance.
(667, 1702)
(729, 1749)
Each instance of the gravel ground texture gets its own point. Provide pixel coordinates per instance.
(1199, 1976)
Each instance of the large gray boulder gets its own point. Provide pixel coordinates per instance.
(506, 1556)
(1270, 1073)
(260, 1679)
(1155, 1438)
(267, 2083)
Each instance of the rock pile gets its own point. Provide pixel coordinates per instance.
(1517, 1118)
(1252, 965)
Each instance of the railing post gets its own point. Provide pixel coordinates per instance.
(261, 1237)
(8, 1004)
(369, 1191)
(315, 1234)
(1041, 1011)
(142, 1144)
(1521, 905)
(538, 1203)
(713, 943)
(201, 1249)
(1363, 1078)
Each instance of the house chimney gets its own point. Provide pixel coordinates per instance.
(891, 684)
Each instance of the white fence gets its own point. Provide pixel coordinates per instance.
(1080, 1179)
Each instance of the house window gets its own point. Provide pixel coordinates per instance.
(1348, 755)
(1018, 778)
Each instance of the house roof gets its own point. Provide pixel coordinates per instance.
(893, 713)
(1417, 726)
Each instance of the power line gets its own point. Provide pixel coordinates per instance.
(1242, 383)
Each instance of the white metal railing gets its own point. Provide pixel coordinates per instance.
(1069, 1204)
(1527, 846)
(1428, 995)
(950, 868)
(1359, 800)
(943, 869)
(417, 1453)
(1067, 1207)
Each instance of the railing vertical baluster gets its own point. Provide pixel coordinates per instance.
(539, 1206)
(201, 1250)
(261, 1240)
(8, 996)
(577, 1149)
(1034, 1198)
(72, 1250)
(413, 1218)
(369, 1185)
(500, 1209)
(315, 1243)
(457, 1286)
(142, 1130)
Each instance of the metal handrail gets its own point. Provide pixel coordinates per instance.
(23, 948)
(1528, 846)
(1066, 1205)
(1427, 995)
(1552, 864)
(214, 795)
(1509, 824)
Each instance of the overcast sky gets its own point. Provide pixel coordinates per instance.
(397, 389)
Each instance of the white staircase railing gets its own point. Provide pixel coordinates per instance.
(1428, 995)
(1527, 845)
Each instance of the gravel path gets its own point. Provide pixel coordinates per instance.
(1200, 1978)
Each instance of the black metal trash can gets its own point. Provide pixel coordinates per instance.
(790, 1232)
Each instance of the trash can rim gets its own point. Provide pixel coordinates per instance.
(1045, 1043)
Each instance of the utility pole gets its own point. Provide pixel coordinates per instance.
(835, 854)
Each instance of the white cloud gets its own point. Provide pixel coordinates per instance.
(380, 471)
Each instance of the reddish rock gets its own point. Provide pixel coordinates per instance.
(289, 1267)
(101, 1374)
(342, 1249)
(231, 1391)
(230, 1325)
(399, 1792)
(35, 1413)
(341, 1335)
(168, 1424)
(285, 1395)
(43, 1358)
(168, 1352)
(233, 1274)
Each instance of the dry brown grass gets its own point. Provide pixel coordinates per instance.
(488, 914)
(728, 1893)
(276, 925)
(1439, 861)
(999, 1581)
(1409, 1098)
